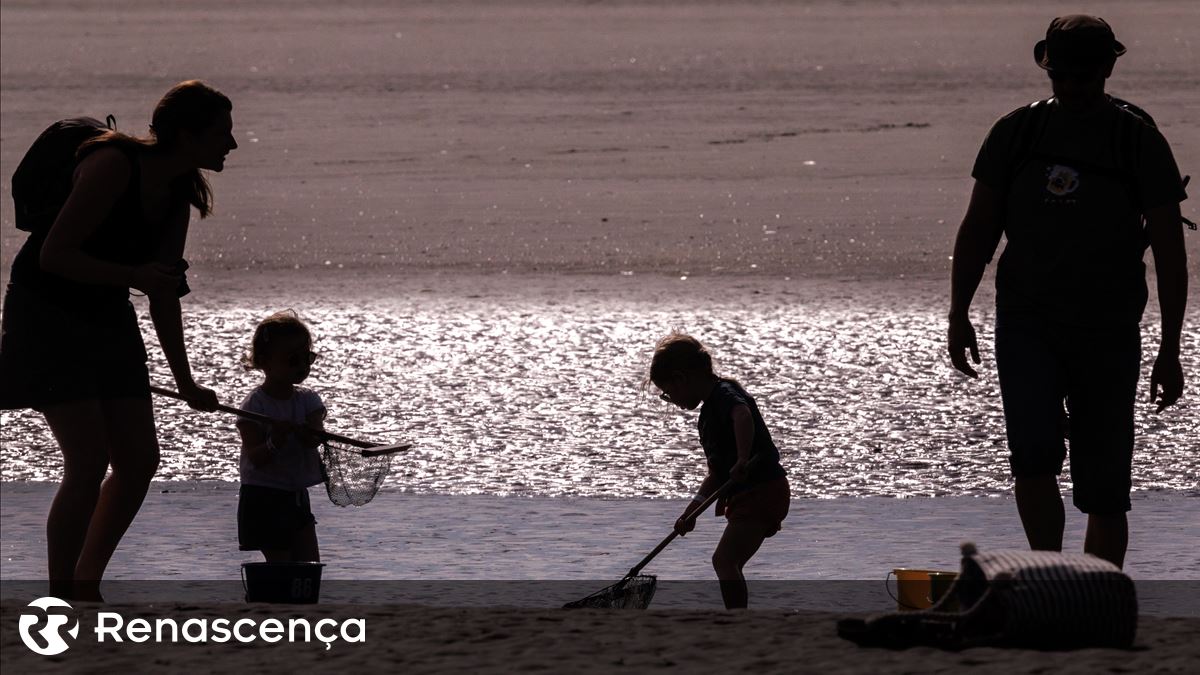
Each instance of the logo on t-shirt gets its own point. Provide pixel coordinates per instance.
(1061, 180)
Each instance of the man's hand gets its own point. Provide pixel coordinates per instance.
(1166, 381)
(961, 338)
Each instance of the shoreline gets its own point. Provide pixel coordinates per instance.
(187, 530)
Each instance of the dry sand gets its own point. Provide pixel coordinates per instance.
(424, 640)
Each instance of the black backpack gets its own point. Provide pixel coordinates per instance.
(42, 181)
(1031, 125)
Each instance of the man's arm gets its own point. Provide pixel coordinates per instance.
(1164, 225)
(978, 236)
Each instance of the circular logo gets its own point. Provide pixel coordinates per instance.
(1061, 180)
(48, 639)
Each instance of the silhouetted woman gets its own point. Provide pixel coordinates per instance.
(71, 346)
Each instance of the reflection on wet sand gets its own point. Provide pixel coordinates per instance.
(540, 393)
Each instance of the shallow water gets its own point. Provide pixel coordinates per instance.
(534, 386)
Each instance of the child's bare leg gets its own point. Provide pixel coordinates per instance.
(738, 544)
(277, 554)
(304, 547)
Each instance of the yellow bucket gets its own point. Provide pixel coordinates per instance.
(919, 589)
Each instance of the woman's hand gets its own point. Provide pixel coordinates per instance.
(155, 279)
(199, 398)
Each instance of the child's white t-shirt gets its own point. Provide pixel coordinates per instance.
(295, 467)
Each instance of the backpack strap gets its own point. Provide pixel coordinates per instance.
(1129, 146)
(1031, 126)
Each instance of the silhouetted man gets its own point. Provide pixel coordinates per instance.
(1068, 181)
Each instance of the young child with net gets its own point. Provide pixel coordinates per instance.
(280, 461)
(732, 433)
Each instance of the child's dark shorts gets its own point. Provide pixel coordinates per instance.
(270, 518)
(765, 503)
(1045, 365)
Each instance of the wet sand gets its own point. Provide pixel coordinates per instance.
(676, 138)
(187, 530)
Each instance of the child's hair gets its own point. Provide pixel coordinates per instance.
(272, 329)
(679, 352)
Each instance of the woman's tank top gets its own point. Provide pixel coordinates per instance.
(124, 237)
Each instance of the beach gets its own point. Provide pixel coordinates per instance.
(479, 592)
(488, 212)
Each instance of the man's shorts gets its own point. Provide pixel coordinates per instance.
(270, 518)
(764, 503)
(1094, 370)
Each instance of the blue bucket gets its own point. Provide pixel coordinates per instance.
(296, 583)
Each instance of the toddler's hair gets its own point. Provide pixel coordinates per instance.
(268, 333)
(679, 352)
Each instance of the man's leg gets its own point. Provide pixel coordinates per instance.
(1032, 391)
(1107, 537)
(1103, 392)
(1040, 505)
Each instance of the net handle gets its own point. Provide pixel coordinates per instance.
(257, 417)
(633, 571)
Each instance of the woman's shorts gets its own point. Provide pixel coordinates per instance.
(270, 518)
(52, 353)
(765, 504)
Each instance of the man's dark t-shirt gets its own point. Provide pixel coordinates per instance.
(1073, 212)
(720, 445)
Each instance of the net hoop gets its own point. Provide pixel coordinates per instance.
(352, 478)
(629, 593)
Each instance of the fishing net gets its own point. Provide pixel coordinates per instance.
(628, 593)
(352, 477)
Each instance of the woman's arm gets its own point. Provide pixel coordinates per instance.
(167, 315)
(99, 181)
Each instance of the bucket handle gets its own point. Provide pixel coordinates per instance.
(893, 597)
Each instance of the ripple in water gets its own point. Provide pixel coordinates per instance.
(540, 393)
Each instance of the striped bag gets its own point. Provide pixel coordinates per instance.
(1035, 599)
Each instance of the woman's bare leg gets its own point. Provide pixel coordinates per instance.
(133, 455)
(80, 429)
